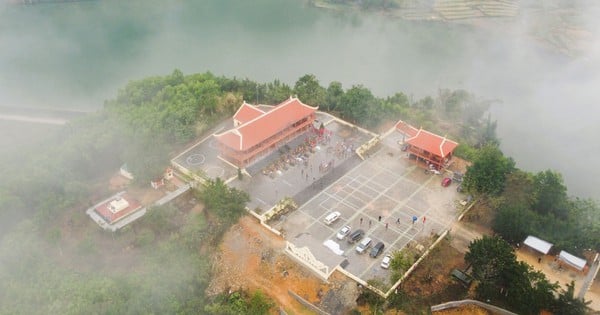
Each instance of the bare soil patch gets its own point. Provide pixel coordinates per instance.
(431, 282)
(252, 258)
(465, 310)
(480, 217)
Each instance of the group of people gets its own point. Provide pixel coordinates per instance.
(414, 219)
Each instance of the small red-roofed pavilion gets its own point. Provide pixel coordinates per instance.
(429, 149)
(257, 133)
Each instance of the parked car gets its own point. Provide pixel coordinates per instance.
(385, 262)
(332, 217)
(363, 245)
(377, 249)
(446, 182)
(343, 232)
(356, 235)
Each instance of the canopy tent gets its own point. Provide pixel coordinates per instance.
(538, 244)
(572, 261)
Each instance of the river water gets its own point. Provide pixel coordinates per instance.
(76, 55)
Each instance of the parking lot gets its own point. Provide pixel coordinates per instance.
(381, 196)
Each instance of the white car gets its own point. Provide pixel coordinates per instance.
(330, 218)
(385, 262)
(343, 232)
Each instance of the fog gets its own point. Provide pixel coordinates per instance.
(76, 55)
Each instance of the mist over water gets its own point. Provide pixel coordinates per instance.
(78, 54)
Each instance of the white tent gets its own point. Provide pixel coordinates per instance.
(538, 244)
(572, 261)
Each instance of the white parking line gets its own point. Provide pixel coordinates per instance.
(261, 201)
(287, 183)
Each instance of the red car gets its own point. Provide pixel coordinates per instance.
(446, 182)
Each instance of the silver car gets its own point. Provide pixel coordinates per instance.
(385, 262)
(343, 232)
(363, 245)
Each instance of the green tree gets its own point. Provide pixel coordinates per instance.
(487, 174)
(519, 190)
(514, 222)
(551, 194)
(259, 303)
(226, 202)
(585, 221)
(276, 92)
(334, 96)
(501, 277)
(490, 257)
(399, 264)
(358, 103)
(568, 304)
(309, 90)
(240, 302)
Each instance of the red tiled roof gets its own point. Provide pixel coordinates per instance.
(432, 143)
(246, 113)
(110, 217)
(264, 126)
(406, 129)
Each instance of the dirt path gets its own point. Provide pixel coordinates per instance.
(252, 258)
(462, 235)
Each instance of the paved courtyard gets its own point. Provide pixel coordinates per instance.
(202, 157)
(381, 196)
(301, 181)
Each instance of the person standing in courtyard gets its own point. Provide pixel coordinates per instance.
(386, 225)
(424, 219)
(361, 221)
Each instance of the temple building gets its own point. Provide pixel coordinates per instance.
(257, 133)
(426, 148)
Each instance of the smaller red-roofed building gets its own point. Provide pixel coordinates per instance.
(257, 133)
(117, 208)
(428, 149)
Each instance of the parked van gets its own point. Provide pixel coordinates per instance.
(363, 245)
(330, 218)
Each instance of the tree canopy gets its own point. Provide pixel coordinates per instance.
(502, 278)
(487, 174)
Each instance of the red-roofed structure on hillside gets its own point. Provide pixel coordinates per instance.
(257, 133)
(427, 148)
(117, 208)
